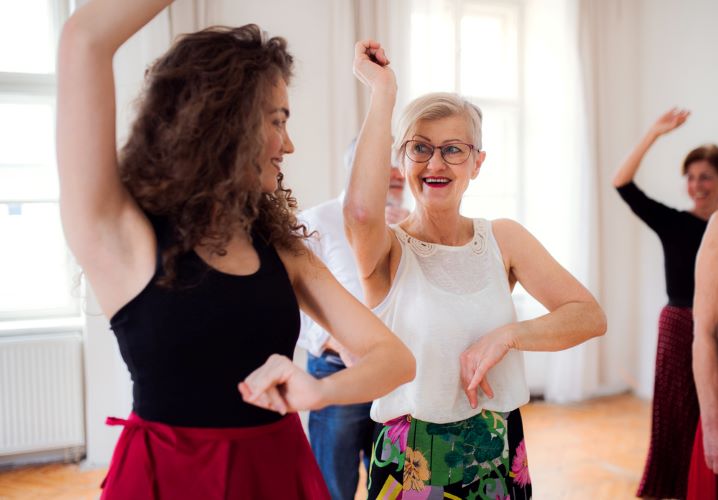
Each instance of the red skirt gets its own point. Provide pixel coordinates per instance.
(702, 483)
(675, 408)
(158, 461)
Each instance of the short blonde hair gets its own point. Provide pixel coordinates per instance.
(435, 106)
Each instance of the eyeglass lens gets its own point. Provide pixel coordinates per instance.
(453, 154)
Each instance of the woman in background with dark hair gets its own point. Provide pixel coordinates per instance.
(191, 246)
(675, 404)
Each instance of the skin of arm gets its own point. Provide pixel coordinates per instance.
(107, 232)
(574, 315)
(705, 340)
(670, 120)
(383, 361)
(365, 200)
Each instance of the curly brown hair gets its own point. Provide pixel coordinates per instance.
(192, 154)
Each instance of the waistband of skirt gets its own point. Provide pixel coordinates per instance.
(207, 433)
(680, 303)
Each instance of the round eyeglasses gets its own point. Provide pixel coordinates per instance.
(454, 153)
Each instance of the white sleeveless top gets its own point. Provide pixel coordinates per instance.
(442, 300)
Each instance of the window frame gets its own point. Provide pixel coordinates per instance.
(23, 88)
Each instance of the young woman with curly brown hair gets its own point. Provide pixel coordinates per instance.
(191, 246)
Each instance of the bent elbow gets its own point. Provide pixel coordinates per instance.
(355, 214)
(599, 322)
(409, 366)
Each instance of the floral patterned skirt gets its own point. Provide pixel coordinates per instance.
(482, 457)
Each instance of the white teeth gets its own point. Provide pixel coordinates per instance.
(436, 181)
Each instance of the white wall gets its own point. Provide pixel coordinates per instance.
(617, 88)
(321, 94)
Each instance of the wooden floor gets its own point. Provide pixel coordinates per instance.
(594, 451)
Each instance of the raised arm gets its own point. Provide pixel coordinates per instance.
(705, 340)
(667, 122)
(382, 363)
(574, 315)
(365, 200)
(109, 235)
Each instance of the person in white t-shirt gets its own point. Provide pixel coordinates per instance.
(339, 434)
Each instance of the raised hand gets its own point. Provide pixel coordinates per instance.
(478, 359)
(281, 386)
(371, 66)
(670, 120)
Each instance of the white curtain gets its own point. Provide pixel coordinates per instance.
(560, 171)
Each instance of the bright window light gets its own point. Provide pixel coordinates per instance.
(485, 69)
(36, 268)
(27, 36)
(488, 56)
(37, 272)
(432, 62)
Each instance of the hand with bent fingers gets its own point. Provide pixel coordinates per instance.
(281, 386)
(371, 66)
(478, 359)
(710, 447)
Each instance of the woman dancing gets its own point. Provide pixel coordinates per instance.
(190, 243)
(443, 283)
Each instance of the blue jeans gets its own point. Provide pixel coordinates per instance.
(338, 433)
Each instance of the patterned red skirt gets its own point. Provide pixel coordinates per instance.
(675, 408)
(158, 461)
(702, 483)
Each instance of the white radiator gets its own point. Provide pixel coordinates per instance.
(41, 393)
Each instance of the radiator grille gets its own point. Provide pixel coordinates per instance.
(41, 393)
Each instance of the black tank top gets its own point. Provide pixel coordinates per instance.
(188, 347)
(680, 233)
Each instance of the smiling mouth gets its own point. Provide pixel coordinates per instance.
(436, 182)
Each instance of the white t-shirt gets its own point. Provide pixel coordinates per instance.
(442, 300)
(332, 247)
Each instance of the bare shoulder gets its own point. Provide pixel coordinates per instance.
(510, 234)
(301, 263)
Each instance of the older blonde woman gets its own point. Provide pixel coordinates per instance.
(442, 282)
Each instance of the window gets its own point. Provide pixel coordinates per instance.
(37, 273)
(473, 48)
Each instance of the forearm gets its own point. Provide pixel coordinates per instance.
(385, 366)
(630, 166)
(107, 24)
(567, 326)
(705, 372)
(86, 146)
(369, 181)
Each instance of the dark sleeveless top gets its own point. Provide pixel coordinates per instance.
(680, 234)
(187, 348)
